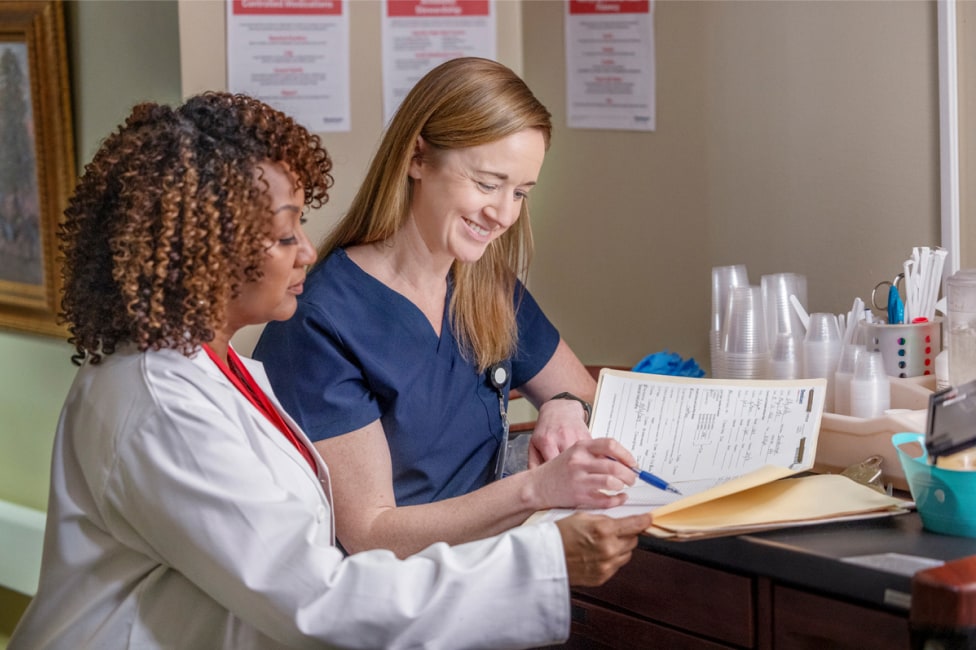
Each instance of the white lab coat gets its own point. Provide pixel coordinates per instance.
(180, 517)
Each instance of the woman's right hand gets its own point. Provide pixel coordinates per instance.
(585, 475)
(597, 545)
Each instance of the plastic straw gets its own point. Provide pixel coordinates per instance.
(854, 316)
(800, 311)
(923, 277)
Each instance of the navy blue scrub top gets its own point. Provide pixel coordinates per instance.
(357, 351)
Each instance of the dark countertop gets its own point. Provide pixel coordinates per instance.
(811, 557)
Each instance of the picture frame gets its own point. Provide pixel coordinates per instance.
(37, 167)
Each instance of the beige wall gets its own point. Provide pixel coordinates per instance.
(791, 136)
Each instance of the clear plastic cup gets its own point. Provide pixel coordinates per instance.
(746, 351)
(870, 386)
(781, 317)
(786, 357)
(849, 355)
(784, 329)
(961, 326)
(821, 352)
(723, 279)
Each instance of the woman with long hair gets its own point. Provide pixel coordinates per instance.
(415, 324)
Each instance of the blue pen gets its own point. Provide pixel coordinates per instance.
(657, 482)
(649, 478)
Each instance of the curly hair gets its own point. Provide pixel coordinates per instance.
(168, 222)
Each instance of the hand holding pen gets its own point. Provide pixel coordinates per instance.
(582, 476)
(650, 479)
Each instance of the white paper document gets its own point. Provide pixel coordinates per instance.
(698, 433)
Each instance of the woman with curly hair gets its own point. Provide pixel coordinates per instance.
(187, 509)
(415, 324)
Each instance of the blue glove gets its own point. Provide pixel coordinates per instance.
(668, 363)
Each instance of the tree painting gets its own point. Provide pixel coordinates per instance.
(20, 240)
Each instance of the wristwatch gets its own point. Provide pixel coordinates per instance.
(587, 408)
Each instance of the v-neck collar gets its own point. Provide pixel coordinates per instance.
(392, 295)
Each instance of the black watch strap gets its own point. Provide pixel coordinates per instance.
(587, 408)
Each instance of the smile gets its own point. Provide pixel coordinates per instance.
(476, 228)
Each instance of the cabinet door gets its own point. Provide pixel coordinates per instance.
(803, 620)
(702, 601)
(598, 628)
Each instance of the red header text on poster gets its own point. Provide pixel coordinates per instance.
(439, 8)
(582, 7)
(287, 7)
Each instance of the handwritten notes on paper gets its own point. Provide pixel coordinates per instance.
(701, 432)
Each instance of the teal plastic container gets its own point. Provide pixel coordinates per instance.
(945, 498)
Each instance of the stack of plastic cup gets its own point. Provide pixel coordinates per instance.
(785, 357)
(961, 326)
(870, 386)
(784, 329)
(849, 355)
(723, 279)
(821, 352)
(744, 350)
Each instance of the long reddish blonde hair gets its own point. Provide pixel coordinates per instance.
(461, 103)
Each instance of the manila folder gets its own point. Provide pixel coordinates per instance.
(766, 499)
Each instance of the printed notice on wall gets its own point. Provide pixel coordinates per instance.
(610, 64)
(293, 55)
(419, 35)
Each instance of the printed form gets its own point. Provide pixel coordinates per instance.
(699, 433)
(737, 449)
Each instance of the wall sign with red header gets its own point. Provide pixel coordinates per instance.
(293, 55)
(421, 34)
(610, 67)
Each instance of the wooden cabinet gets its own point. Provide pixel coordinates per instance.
(665, 602)
(596, 627)
(802, 620)
(676, 595)
(834, 586)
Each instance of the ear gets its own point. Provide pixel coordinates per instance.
(417, 160)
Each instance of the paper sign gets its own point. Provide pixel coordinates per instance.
(294, 56)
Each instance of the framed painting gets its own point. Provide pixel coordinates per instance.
(37, 171)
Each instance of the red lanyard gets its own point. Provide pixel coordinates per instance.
(239, 376)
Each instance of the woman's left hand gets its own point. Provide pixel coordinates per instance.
(560, 425)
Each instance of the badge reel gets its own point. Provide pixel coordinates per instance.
(498, 376)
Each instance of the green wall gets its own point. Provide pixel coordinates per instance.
(120, 53)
